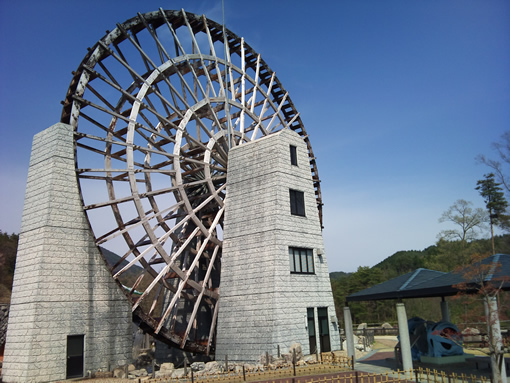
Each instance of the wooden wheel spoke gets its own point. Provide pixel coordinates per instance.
(160, 102)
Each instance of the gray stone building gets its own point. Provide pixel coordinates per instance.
(275, 287)
(67, 315)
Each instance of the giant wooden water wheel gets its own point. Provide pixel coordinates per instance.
(156, 105)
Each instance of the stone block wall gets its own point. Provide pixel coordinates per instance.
(61, 284)
(263, 305)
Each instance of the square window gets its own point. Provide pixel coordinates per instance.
(301, 261)
(297, 202)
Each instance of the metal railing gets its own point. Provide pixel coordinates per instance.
(328, 363)
(302, 375)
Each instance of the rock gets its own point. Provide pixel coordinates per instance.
(103, 374)
(212, 367)
(386, 325)
(167, 367)
(178, 373)
(139, 373)
(238, 369)
(144, 360)
(266, 359)
(471, 334)
(163, 374)
(287, 358)
(250, 367)
(310, 358)
(120, 373)
(362, 326)
(470, 331)
(131, 367)
(299, 350)
(197, 366)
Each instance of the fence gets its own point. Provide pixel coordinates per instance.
(418, 375)
(332, 369)
(376, 331)
(329, 363)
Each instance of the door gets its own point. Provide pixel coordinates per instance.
(75, 345)
(311, 330)
(322, 314)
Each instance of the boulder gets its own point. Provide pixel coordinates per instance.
(138, 373)
(299, 350)
(470, 331)
(266, 359)
(144, 360)
(178, 373)
(362, 326)
(162, 374)
(167, 366)
(103, 374)
(197, 366)
(310, 358)
(120, 373)
(471, 334)
(386, 325)
(213, 367)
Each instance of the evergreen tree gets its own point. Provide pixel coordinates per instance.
(495, 203)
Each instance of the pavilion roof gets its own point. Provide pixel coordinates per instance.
(422, 283)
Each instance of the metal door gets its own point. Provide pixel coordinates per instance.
(75, 353)
(322, 314)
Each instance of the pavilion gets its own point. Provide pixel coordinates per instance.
(422, 283)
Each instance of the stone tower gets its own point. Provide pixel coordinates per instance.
(275, 287)
(67, 314)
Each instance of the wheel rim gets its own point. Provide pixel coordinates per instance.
(151, 158)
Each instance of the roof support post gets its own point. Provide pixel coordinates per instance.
(445, 311)
(403, 332)
(495, 339)
(349, 333)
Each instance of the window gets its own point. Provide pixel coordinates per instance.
(301, 261)
(297, 202)
(293, 155)
(310, 313)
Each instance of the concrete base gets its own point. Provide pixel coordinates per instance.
(444, 359)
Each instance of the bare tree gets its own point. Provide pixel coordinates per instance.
(484, 280)
(500, 165)
(469, 221)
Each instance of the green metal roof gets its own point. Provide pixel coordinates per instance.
(423, 283)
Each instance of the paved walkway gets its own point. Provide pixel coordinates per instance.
(377, 362)
(383, 361)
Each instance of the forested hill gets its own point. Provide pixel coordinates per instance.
(8, 248)
(444, 256)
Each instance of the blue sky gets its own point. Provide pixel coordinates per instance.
(398, 98)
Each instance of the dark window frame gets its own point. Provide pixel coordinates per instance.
(293, 155)
(301, 260)
(297, 202)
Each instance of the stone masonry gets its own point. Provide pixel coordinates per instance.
(263, 305)
(61, 284)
